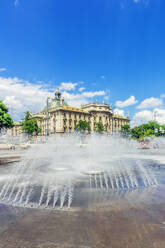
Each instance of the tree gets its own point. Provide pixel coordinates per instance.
(99, 127)
(27, 116)
(30, 125)
(5, 119)
(149, 129)
(163, 130)
(83, 126)
(137, 132)
(125, 130)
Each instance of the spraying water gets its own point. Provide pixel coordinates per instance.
(49, 174)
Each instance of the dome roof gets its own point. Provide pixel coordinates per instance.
(57, 101)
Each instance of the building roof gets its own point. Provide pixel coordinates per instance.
(121, 117)
(17, 123)
(75, 109)
(68, 108)
(58, 103)
(96, 104)
(55, 102)
(39, 116)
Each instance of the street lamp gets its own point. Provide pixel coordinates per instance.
(156, 130)
(162, 131)
(47, 118)
(112, 109)
(155, 114)
(112, 122)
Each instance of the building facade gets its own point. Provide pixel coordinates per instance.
(58, 117)
(16, 130)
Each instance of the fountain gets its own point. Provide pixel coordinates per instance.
(54, 174)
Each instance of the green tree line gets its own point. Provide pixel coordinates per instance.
(150, 129)
(29, 124)
(5, 118)
(83, 126)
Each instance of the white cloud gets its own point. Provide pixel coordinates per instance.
(150, 103)
(2, 69)
(159, 115)
(128, 102)
(118, 111)
(91, 94)
(102, 77)
(145, 2)
(147, 115)
(81, 89)
(80, 98)
(75, 100)
(16, 2)
(13, 103)
(68, 86)
(20, 96)
(106, 98)
(142, 117)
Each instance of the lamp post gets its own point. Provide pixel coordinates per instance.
(112, 122)
(112, 108)
(47, 118)
(162, 131)
(155, 114)
(156, 130)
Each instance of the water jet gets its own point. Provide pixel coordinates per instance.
(54, 174)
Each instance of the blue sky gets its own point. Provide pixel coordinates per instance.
(114, 49)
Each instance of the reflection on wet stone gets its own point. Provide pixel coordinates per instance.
(102, 193)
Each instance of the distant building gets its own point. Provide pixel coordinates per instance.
(16, 130)
(58, 117)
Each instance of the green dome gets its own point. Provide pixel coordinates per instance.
(57, 101)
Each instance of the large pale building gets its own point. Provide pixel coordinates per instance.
(58, 117)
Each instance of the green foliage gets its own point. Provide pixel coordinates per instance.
(99, 127)
(150, 130)
(137, 132)
(27, 116)
(83, 126)
(5, 119)
(146, 130)
(163, 128)
(30, 125)
(125, 130)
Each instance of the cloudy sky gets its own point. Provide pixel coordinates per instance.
(104, 50)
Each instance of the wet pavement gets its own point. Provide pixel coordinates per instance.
(122, 224)
(129, 227)
(113, 219)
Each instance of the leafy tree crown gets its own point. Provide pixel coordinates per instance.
(83, 126)
(30, 125)
(5, 118)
